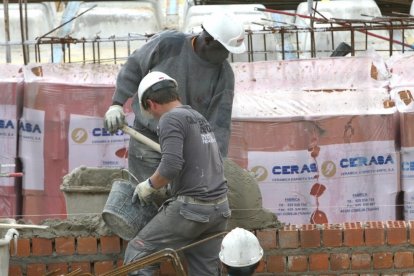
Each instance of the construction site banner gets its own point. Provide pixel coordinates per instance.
(64, 104)
(91, 145)
(11, 92)
(346, 182)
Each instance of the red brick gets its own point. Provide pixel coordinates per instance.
(110, 244)
(36, 269)
(57, 268)
(120, 263)
(382, 260)
(396, 232)
(310, 236)
(83, 266)
(167, 269)
(403, 260)
(41, 247)
(374, 233)
(87, 245)
(23, 248)
(319, 262)
(275, 263)
(332, 235)
(297, 263)
(65, 245)
(353, 234)
(411, 227)
(103, 267)
(267, 238)
(340, 261)
(289, 237)
(360, 261)
(15, 270)
(261, 267)
(124, 244)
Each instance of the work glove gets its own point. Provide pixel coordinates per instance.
(114, 118)
(143, 191)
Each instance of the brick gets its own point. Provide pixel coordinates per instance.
(23, 248)
(396, 232)
(120, 263)
(310, 236)
(57, 268)
(403, 259)
(41, 247)
(267, 238)
(411, 231)
(15, 270)
(83, 266)
(36, 269)
(360, 261)
(332, 235)
(110, 244)
(87, 245)
(289, 237)
(382, 260)
(297, 263)
(261, 267)
(319, 262)
(374, 233)
(353, 234)
(167, 269)
(65, 245)
(275, 263)
(103, 267)
(340, 261)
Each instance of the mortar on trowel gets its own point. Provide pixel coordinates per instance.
(126, 219)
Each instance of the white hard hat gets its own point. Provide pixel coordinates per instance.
(240, 248)
(226, 29)
(150, 81)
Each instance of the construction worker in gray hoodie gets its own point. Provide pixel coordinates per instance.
(199, 65)
(192, 164)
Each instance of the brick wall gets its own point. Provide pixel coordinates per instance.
(372, 248)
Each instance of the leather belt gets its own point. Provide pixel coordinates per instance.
(193, 200)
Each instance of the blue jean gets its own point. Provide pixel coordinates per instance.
(178, 224)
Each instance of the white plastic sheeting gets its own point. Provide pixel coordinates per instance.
(116, 18)
(340, 9)
(41, 19)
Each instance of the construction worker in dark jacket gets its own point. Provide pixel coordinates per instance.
(198, 62)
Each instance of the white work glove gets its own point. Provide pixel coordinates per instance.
(114, 118)
(143, 191)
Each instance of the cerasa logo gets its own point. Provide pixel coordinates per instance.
(79, 135)
(328, 169)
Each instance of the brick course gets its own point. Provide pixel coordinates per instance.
(361, 249)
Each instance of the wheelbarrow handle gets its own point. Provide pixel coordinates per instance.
(141, 138)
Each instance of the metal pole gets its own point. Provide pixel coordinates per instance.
(7, 30)
(22, 32)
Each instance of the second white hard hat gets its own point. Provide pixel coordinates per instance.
(226, 29)
(150, 80)
(240, 248)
